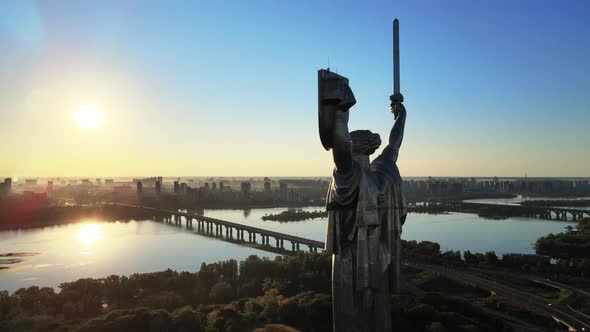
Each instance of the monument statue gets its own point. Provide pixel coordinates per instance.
(366, 207)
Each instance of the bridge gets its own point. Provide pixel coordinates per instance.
(229, 230)
(543, 212)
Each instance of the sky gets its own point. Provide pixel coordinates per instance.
(229, 88)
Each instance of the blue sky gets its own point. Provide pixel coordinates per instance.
(228, 88)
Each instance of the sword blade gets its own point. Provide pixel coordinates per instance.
(395, 56)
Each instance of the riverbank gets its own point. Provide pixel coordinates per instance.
(22, 216)
(573, 243)
(294, 291)
(560, 202)
(226, 296)
(168, 202)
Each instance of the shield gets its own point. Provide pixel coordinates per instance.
(333, 94)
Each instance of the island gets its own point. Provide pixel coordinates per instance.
(295, 215)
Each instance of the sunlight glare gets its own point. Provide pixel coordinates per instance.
(89, 116)
(89, 234)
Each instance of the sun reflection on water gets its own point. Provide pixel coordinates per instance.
(89, 234)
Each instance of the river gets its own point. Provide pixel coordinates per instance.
(92, 248)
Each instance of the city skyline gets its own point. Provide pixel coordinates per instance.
(230, 89)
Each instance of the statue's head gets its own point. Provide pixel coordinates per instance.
(364, 142)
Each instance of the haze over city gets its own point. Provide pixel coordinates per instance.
(229, 89)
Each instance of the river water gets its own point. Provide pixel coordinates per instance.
(93, 248)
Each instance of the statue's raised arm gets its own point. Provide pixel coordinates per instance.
(341, 149)
(396, 135)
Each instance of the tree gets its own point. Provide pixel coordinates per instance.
(186, 319)
(221, 292)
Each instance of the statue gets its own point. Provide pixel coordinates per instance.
(366, 209)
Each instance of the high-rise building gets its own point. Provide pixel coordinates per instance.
(246, 189)
(267, 187)
(6, 186)
(139, 188)
(158, 187)
(213, 185)
(284, 191)
(176, 187)
(220, 186)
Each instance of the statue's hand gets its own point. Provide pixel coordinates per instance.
(396, 104)
(395, 98)
(347, 101)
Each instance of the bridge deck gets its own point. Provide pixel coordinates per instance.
(249, 229)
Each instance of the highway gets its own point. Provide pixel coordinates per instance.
(561, 312)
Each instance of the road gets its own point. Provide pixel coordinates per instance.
(560, 312)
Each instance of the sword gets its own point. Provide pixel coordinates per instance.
(396, 88)
(395, 56)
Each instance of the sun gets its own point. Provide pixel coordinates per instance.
(88, 116)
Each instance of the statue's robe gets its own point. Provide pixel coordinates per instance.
(366, 211)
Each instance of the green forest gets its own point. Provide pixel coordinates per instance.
(224, 296)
